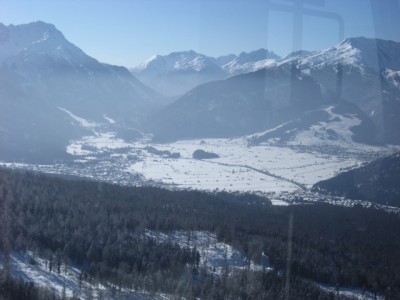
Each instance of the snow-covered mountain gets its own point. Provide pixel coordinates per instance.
(365, 69)
(175, 62)
(361, 52)
(41, 71)
(294, 56)
(239, 105)
(359, 71)
(160, 72)
(250, 62)
(178, 72)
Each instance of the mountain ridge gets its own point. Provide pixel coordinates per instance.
(41, 71)
(169, 73)
(289, 87)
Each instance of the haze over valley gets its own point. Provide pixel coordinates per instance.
(182, 176)
(321, 110)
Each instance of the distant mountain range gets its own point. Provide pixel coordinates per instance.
(42, 75)
(178, 72)
(362, 72)
(52, 92)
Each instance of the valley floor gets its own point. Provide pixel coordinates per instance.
(271, 169)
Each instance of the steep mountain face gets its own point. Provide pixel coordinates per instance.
(237, 106)
(366, 70)
(179, 72)
(360, 52)
(377, 181)
(42, 72)
(358, 77)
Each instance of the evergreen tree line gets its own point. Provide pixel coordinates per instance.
(100, 228)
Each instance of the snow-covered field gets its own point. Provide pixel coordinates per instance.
(240, 166)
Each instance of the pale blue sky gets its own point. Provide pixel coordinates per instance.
(126, 32)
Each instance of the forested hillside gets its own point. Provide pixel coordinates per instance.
(101, 229)
(378, 181)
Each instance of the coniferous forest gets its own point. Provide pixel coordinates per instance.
(100, 228)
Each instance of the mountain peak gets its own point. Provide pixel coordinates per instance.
(296, 55)
(44, 71)
(25, 41)
(359, 52)
(256, 55)
(35, 29)
(375, 53)
(180, 60)
(360, 43)
(41, 25)
(184, 53)
(250, 61)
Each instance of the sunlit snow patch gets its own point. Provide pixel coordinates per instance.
(96, 144)
(215, 256)
(319, 133)
(109, 120)
(355, 294)
(81, 121)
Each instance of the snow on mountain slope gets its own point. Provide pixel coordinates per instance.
(25, 42)
(392, 76)
(175, 61)
(335, 131)
(349, 71)
(359, 52)
(40, 71)
(250, 62)
(178, 72)
(235, 68)
(342, 125)
(296, 55)
(193, 61)
(81, 121)
(224, 59)
(38, 51)
(377, 54)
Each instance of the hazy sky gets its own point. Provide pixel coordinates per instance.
(126, 32)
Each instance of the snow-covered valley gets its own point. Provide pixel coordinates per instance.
(283, 173)
(238, 167)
